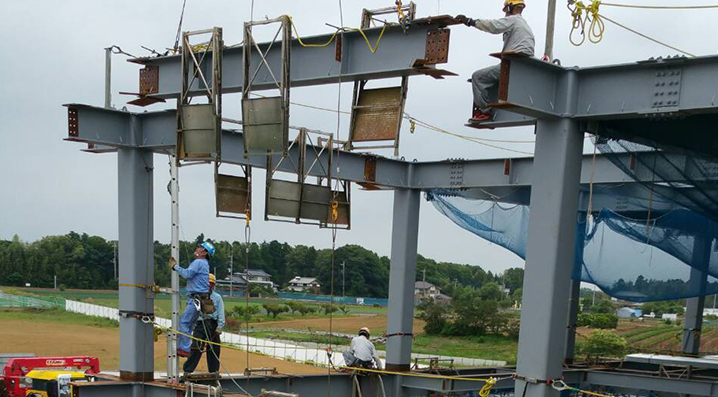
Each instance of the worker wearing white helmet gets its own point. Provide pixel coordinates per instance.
(362, 352)
(518, 38)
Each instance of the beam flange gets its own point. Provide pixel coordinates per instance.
(398, 53)
(156, 131)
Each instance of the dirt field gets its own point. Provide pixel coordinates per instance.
(376, 323)
(51, 339)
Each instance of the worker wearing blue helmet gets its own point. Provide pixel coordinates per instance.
(197, 276)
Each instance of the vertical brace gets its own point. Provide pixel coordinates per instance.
(693, 324)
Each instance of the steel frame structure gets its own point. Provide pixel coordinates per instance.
(615, 101)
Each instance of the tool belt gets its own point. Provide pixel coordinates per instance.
(206, 303)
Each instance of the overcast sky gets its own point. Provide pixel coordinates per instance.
(52, 53)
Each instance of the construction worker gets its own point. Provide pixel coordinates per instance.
(518, 38)
(209, 328)
(362, 352)
(197, 276)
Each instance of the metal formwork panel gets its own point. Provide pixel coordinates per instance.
(264, 126)
(377, 115)
(232, 194)
(306, 202)
(199, 135)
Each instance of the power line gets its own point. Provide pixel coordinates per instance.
(647, 37)
(654, 7)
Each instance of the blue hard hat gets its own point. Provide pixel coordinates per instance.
(209, 247)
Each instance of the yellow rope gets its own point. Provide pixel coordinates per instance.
(651, 7)
(589, 14)
(490, 382)
(372, 48)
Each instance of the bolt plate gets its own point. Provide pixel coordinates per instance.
(72, 121)
(437, 46)
(667, 88)
(149, 80)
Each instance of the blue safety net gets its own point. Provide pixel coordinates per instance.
(639, 247)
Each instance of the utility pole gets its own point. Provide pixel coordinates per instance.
(343, 268)
(114, 258)
(172, 358)
(56, 286)
(231, 275)
(550, 27)
(108, 77)
(424, 276)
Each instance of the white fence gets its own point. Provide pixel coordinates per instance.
(278, 349)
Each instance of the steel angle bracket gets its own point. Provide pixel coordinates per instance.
(300, 201)
(199, 126)
(265, 120)
(233, 194)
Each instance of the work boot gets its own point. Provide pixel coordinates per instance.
(481, 115)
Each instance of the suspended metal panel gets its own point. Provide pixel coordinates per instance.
(233, 194)
(199, 126)
(264, 126)
(378, 115)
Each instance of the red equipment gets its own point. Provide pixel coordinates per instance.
(18, 367)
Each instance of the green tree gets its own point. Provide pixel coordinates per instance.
(245, 312)
(274, 309)
(517, 295)
(514, 278)
(490, 291)
(604, 343)
(435, 316)
(327, 308)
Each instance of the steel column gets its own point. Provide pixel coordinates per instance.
(550, 254)
(136, 261)
(574, 302)
(694, 306)
(404, 240)
(573, 306)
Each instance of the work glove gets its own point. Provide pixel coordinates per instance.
(464, 19)
(172, 263)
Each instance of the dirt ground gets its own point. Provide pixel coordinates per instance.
(51, 339)
(376, 323)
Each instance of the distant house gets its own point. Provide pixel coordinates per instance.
(239, 281)
(426, 290)
(627, 312)
(304, 284)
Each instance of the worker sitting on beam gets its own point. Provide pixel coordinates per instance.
(197, 276)
(518, 38)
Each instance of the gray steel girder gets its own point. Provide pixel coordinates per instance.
(156, 131)
(654, 88)
(399, 54)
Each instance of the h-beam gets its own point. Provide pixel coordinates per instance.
(136, 258)
(404, 240)
(550, 255)
(693, 324)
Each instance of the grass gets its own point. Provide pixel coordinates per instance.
(163, 303)
(668, 329)
(56, 316)
(489, 347)
(301, 337)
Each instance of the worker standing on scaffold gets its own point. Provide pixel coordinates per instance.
(197, 276)
(518, 38)
(208, 328)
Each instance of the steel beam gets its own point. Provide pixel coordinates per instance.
(635, 382)
(666, 87)
(399, 53)
(136, 261)
(404, 240)
(156, 131)
(693, 323)
(550, 255)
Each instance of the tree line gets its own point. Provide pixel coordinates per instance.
(87, 262)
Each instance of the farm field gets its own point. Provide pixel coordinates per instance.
(58, 333)
(163, 303)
